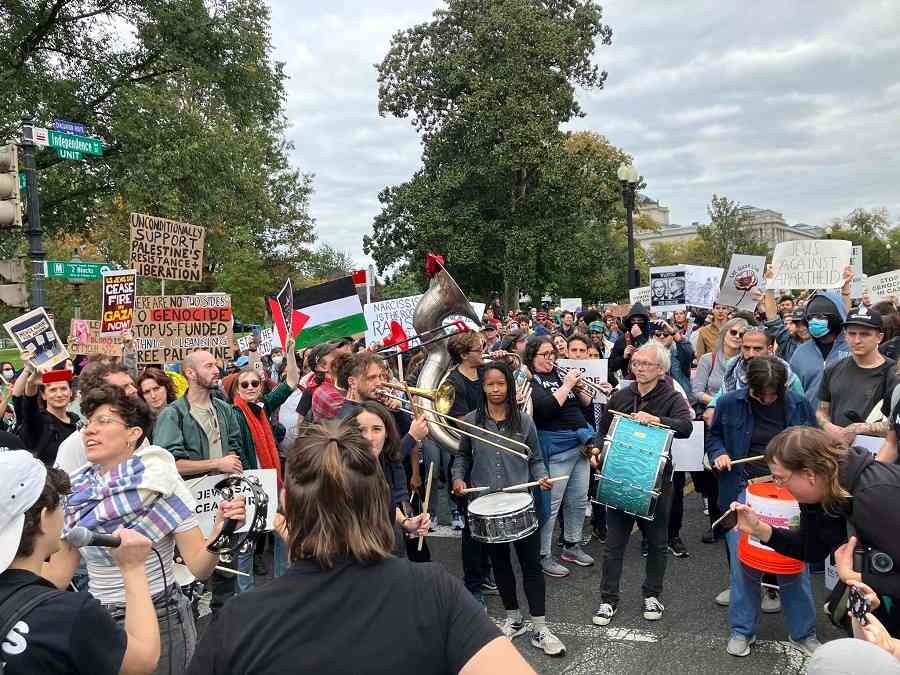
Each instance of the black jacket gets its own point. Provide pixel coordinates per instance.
(872, 510)
(662, 401)
(617, 359)
(42, 432)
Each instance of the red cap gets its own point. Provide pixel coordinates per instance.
(52, 376)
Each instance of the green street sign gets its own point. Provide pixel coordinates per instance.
(85, 145)
(77, 271)
(21, 180)
(68, 154)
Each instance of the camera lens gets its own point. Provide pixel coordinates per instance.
(881, 562)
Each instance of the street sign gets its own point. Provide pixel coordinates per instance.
(86, 145)
(37, 135)
(21, 180)
(68, 154)
(79, 271)
(68, 127)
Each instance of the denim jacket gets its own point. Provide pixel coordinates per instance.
(732, 428)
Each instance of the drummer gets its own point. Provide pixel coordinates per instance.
(488, 466)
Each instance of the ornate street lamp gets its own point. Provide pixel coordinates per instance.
(630, 179)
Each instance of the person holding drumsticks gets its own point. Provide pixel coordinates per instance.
(487, 466)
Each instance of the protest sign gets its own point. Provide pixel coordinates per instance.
(687, 453)
(243, 343)
(207, 502)
(882, 286)
(85, 339)
(639, 295)
(856, 262)
(594, 371)
(810, 263)
(571, 304)
(118, 301)
(281, 307)
(620, 311)
(702, 285)
(34, 331)
(168, 327)
(380, 314)
(668, 288)
(264, 341)
(166, 249)
(744, 274)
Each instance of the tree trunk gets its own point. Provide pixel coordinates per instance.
(510, 297)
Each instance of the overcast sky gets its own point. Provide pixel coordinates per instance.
(792, 106)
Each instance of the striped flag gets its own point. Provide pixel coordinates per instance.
(327, 312)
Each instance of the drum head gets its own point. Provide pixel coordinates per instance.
(500, 503)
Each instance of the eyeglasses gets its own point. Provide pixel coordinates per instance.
(105, 421)
(247, 384)
(734, 332)
(643, 364)
(547, 355)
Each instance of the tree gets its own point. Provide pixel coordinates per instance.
(872, 230)
(693, 251)
(728, 233)
(487, 85)
(402, 284)
(191, 110)
(326, 263)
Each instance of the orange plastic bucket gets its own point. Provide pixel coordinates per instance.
(777, 507)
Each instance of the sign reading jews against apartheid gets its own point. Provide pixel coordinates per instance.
(744, 274)
(166, 249)
(168, 327)
(85, 339)
(118, 301)
(34, 332)
(811, 263)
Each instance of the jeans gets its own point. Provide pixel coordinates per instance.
(245, 564)
(437, 453)
(528, 553)
(619, 526)
(573, 463)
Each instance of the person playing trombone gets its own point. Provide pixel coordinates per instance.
(485, 465)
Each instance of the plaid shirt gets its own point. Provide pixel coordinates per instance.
(326, 402)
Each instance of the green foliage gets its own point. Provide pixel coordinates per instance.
(324, 264)
(402, 285)
(873, 231)
(488, 84)
(728, 232)
(693, 251)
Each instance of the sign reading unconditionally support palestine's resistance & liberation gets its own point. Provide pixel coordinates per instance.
(168, 327)
(166, 249)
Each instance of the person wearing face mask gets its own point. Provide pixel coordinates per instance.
(636, 334)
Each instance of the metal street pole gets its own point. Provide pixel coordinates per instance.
(76, 300)
(628, 199)
(33, 213)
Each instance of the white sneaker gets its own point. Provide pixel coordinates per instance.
(653, 609)
(513, 629)
(723, 599)
(604, 614)
(547, 641)
(770, 602)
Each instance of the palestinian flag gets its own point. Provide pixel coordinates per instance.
(327, 312)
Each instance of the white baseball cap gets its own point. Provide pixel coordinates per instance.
(22, 479)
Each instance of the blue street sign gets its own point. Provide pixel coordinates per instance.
(68, 127)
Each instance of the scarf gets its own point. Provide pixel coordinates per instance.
(263, 441)
(144, 493)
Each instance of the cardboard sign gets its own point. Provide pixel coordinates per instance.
(168, 327)
(687, 453)
(702, 287)
(882, 286)
(166, 249)
(380, 314)
(668, 288)
(745, 272)
(208, 502)
(119, 287)
(34, 331)
(571, 304)
(593, 370)
(639, 295)
(856, 262)
(812, 263)
(85, 339)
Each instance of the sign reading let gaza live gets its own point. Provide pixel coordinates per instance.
(166, 249)
(167, 327)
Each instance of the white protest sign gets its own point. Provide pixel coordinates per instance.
(571, 304)
(243, 343)
(702, 287)
(208, 501)
(380, 314)
(744, 274)
(668, 288)
(639, 295)
(882, 286)
(856, 262)
(811, 263)
(594, 371)
(266, 341)
(687, 453)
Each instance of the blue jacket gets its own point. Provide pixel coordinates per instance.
(807, 360)
(730, 434)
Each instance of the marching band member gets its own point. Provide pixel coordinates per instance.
(484, 465)
(563, 432)
(649, 399)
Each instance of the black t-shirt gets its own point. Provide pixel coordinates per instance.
(389, 617)
(849, 388)
(468, 393)
(67, 633)
(768, 422)
(548, 414)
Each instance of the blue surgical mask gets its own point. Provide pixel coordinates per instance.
(818, 327)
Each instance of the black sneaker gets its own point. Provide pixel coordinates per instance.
(709, 537)
(489, 586)
(600, 534)
(645, 548)
(677, 548)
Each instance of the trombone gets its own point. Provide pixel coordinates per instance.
(594, 389)
(460, 327)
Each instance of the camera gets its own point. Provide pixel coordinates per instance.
(867, 560)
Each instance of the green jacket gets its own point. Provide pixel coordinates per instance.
(178, 432)
(271, 402)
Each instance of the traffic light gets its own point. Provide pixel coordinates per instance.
(10, 205)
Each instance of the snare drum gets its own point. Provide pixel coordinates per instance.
(634, 461)
(502, 517)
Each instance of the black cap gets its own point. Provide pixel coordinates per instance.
(797, 316)
(864, 316)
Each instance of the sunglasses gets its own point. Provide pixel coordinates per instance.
(247, 384)
(733, 332)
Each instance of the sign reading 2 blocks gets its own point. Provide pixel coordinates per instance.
(166, 249)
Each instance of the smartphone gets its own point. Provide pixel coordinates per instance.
(727, 521)
(858, 605)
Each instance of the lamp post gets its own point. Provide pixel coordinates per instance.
(76, 291)
(630, 179)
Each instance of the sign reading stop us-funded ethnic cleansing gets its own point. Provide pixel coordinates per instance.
(168, 327)
(118, 301)
(166, 249)
(813, 263)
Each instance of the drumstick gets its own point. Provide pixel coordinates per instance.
(427, 498)
(474, 489)
(631, 417)
(228, 570)
(513, 488)
(755, 458)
